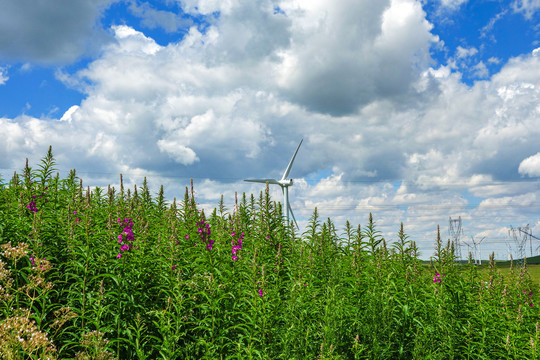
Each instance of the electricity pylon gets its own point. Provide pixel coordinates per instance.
(455, 231)
(521, 242)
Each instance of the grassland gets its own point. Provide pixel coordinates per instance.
(125, 274)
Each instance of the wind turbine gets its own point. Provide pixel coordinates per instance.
(284, 183)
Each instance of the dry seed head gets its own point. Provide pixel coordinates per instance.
(42, 266)
(37, 282)
(21, 333)
(4, 273)
(62, 316)
(14, 253)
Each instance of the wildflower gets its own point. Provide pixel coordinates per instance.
(204, 231)
(126, 236)
(236, 244)
(32, 206)
(260, 292)
(437, 278)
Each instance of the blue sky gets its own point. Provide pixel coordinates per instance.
(414, 110)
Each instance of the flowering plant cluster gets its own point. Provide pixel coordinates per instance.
(285, 295)
(204, 231)
(32, 206)
(437, 279)
(236, 244)
(126, 237)
(529, 295)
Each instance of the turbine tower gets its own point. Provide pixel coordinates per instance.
(476, 244)
(284, 183)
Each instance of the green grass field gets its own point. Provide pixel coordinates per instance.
(122, 274)
(533, 270)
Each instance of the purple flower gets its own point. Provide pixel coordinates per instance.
(119, 255)
(260, 292)
(437, 278)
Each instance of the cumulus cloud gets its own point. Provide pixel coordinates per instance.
(351, 53)
(530, 166)
(50, 31)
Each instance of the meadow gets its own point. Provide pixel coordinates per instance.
(107, 273)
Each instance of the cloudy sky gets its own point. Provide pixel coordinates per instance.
(416, 111)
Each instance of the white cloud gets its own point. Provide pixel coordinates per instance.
(348, 54)
(463, 53)
(527, 7)
(3, 75)
(480, 70)
(452, 4)
(530, 166)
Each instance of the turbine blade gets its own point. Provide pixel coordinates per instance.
(288, 170)
(263, 181)
(292, 214)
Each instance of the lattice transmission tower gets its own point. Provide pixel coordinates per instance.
(520, 236)
(526, 232)
(456, 231)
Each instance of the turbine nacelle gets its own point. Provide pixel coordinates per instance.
(286, 182)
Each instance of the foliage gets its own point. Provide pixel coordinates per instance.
(115, 273)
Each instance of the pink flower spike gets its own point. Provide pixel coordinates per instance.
(119, 255)
(260, 292)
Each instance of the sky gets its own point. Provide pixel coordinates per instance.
(415, 111)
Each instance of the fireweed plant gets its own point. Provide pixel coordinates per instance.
(92, 273)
